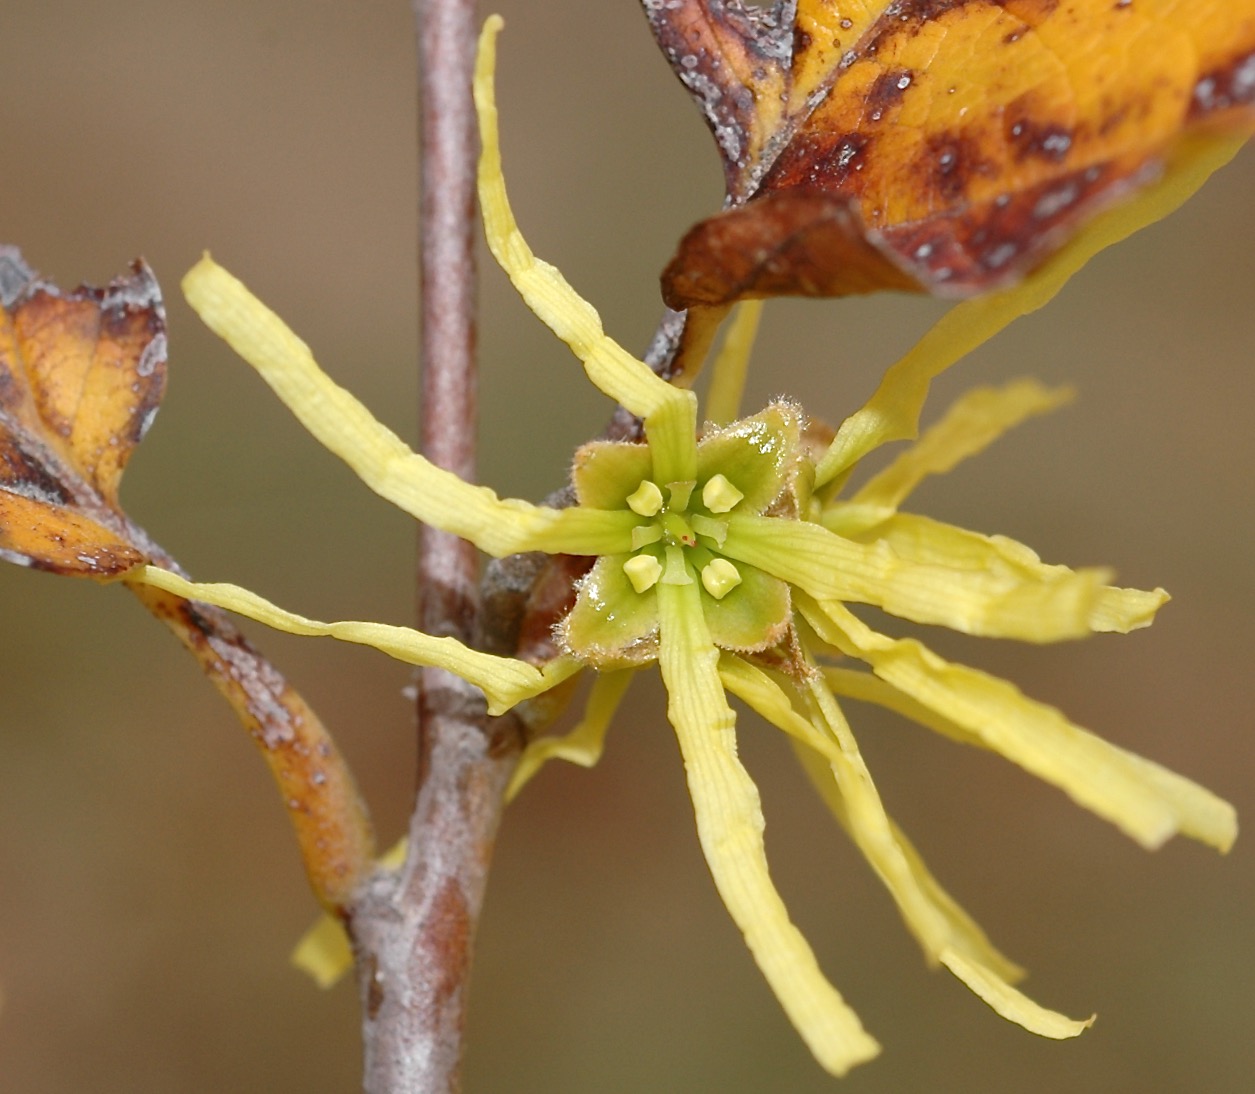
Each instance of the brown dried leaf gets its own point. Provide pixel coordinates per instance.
(947, 146)
(81, 377)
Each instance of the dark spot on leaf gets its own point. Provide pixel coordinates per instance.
(1223, 88)
(819, 160)
(986, 244)
(950, 161)
(887, 91)
(1037, 140)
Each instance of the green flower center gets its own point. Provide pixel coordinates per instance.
(686, 532)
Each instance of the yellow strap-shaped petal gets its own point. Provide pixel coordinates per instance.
(727, 374)
(933, 543)
(1012, 1004)
(546, 292)
(867, 687)
(323, 952)
(730, 828)
(893, 411)
(583, 745)
(946, 933)
(383, 461)
(503, 680)
(1146, 801)
(930, 913)
(997, 604)
(971, 424)
(874, 833)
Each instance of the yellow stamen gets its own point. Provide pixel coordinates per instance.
(720, 577)
(646, 500)
(643, 571)
(719, 495)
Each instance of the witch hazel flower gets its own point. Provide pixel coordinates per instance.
(732, 557)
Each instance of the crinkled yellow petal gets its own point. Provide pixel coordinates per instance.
(323, 952)
(1146, 801)
(383, 461)
(945, 932)
(503, 680)
(996, 604)
(930, 913)
(867, 687)
(730, 828)
(547, 293)
(971, 424)
(875, 835)
(893, 411)
(1013, 1005)
(934, 543)
(727, 374)
(583, 745)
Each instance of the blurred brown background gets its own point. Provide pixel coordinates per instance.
(149, 892)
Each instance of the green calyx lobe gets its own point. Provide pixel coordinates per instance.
(752, 467)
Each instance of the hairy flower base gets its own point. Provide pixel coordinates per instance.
(729, 557)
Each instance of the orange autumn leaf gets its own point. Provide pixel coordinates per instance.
(946, 146)
(81, 377)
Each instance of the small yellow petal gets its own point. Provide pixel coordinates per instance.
(323, 953)
(584, 744)
(727, 377)
(942, 928)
